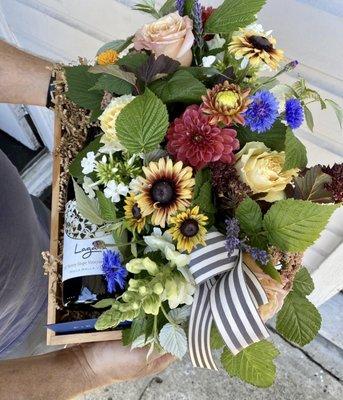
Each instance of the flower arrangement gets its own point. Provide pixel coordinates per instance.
(197, 174)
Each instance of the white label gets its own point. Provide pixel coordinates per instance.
(81, 257)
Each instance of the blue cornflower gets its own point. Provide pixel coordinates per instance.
(294, 113)
(262, 112)
(115, 272)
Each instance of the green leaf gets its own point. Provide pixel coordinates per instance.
(249, 216)
(303, 283)
(114, 70)
(173, 339)
(232, 15)
(337, 109)
(133, 60)
(148, 7)
(311, 186)
(104, 303)
(274, 138)
(296, 155)
(298, 320)
(294, 225)
(80, 81)
(188, 7)
(270, 270)
(167, 8)
(107, 208)
(87, 207)
(308, 118)
(117, 45)
(112, 84)
(217, 341)
(75, 168)
(254, 364)
(203, 196)
(138, 328)
(181, 87)
(143, 123)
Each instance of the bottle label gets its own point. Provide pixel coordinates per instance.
(81, 257)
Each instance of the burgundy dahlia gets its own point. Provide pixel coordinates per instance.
(192, 140)
(336, 185)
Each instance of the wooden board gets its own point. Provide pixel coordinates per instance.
(52, 337)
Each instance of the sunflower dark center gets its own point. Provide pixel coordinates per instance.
(189, 227)
(136, 211)
(260, 43)
(162, 192)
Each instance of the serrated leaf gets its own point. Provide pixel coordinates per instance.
(180, 315)
(154, 66)
(298, 320)
(117, 45)
(106, 207)
(133, 60)
(173, 339)
(254, 364)
(87, 207)
(104, 303)
(311, 186)
(216, 339)
(303, 283)
(79, 82)
(249, 216)
(232, 15)
(143, 123)
(75, 168)
(181, 87)
(138, 328)
(274, 138)
(294, 225)
(114, 70)
(337, 109)
(308, 118)
(296, 155)
(112, 84)
(203, 196)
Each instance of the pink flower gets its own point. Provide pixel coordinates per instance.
(170, 35)
(192, 140)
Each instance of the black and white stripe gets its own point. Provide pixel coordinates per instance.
(227, 292)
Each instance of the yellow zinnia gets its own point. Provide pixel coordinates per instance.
(107, 57)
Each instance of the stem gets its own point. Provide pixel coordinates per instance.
(125, 243)
(167, 316)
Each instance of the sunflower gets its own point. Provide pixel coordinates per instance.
(226, 103)
(187, 228)
(257, 46)
(166, 189)
(133, 213)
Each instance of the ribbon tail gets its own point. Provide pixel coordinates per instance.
(199, 332)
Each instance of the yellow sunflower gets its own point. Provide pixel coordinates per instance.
(133, 213)
(166, 189)
(107, 57)
(257, 47)
(187, 228)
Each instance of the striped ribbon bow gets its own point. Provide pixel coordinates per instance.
(228, 292)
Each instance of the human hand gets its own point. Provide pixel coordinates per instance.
(109, 362)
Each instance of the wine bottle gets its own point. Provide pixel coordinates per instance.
(83, 281)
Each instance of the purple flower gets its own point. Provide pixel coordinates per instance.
(294, 113)
(257, 254)
(291, 65)
(262, 112)
(180, 5)
(232, 227)
(197, 21)
(115, 272)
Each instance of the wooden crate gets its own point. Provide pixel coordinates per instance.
(56, 224)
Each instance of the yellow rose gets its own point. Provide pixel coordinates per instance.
(170, 35)
(274, 290)
(108, 123)
(261, 169)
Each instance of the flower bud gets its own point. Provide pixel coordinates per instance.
(135, 265)
(151, 304)
(158, 288)
(150, 266)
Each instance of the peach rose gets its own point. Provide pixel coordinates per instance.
(170, 35)
(274, 290)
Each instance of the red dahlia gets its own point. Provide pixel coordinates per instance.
(192, 140)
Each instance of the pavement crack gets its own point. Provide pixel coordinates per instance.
(148, 385)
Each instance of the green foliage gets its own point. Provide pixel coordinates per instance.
(298, 321)
(115, 71)
(188, 8)
(296, 155)
(173, 339)
(156, 66)
(113, 85)
(270, 270)
(143, 123)
(181, 87)
(117, 45)
(308, 118)
(217, 342)
(75, 168)
(107, 208)
(303, 283)
(294, 225)
(87, 207)
(254, 364)
(203, 196)
(249, 216)
(133, 60)
(337, 109)
(138, 327)
(104, 303)
(311, 186)
(274, 138)
(148, 7)
(232, 15)
(167, 8)
(80, 81)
